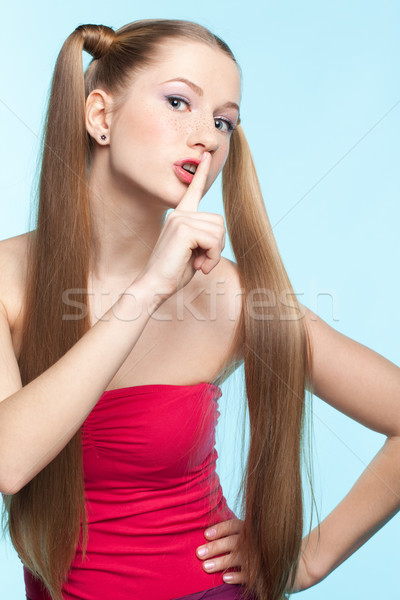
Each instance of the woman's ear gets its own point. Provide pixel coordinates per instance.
(98, 119)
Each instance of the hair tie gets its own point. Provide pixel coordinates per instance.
(97, 39)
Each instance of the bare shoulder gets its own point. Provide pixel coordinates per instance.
(13, 269)
(228, 279)
(220, 303)
(15, 247)
(225, 272)
(231, 272)
(230, 325)
(223, 287)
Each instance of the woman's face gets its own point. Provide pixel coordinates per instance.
(177, 108)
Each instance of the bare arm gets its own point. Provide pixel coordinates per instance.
(39, 419)
(365, 386)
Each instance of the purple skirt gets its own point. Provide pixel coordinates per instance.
(226, 591)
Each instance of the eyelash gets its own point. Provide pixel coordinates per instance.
(227, 121)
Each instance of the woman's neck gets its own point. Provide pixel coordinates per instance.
(125, 228)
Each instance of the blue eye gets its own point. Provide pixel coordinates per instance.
(175, 101)
(221, 123)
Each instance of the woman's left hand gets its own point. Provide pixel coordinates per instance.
(221, 553)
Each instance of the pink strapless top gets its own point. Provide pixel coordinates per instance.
(151, 491)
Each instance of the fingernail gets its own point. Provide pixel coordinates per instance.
(202, 551)
(227, 577)
(209, 565)
(204, 156)
(210, 532)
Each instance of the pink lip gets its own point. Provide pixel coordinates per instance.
(181, 173)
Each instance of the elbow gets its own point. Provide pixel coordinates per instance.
(13, 474)
(7, 490)
(10, 482)
(394, 439)
(391, 448)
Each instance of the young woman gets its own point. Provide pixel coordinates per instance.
(118, 324)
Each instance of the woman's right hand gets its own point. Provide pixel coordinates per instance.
(189, 241)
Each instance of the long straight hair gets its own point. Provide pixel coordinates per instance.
(46, 519)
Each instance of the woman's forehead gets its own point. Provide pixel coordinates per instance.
(205, 65)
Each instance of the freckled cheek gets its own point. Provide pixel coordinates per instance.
(155, 127)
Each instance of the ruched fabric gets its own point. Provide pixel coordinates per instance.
(151, 490)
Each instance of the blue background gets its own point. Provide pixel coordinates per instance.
(321, 112)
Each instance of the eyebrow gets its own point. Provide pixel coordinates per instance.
(199, 91)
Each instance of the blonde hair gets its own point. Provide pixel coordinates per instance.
(47, 518)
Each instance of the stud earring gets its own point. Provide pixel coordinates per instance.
(103, 137)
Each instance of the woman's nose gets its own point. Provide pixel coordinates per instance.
(204, 133)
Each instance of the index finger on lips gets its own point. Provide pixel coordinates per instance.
(195, 191)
